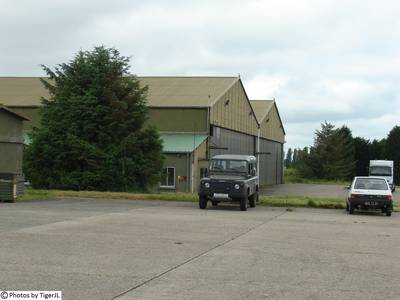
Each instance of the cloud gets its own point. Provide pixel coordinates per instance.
(331, 60)
(266, 87)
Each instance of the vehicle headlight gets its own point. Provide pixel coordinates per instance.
(207, 185)
(237, 186)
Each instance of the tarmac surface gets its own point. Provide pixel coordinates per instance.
(124, 249)
(311, 190)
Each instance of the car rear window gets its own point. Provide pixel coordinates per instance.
(370, 184)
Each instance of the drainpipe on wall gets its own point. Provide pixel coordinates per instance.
(187, 172)
(192, 175)
(258, 153)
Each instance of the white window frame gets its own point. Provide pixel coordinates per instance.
(168, 186)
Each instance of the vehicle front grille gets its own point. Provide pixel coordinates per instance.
(221, 187)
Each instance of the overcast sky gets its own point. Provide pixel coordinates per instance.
(337, 61)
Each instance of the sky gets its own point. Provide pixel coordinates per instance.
(335, 61)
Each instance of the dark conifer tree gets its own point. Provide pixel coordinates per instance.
(362, 156)
(92, 133)
(393, 151)
(288, 159)
(332, 155)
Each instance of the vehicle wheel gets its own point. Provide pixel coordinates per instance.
(202, 202)
(347, 206)
(388, 213)
(351, 209)
(243, 203)
(214, 203)
(253, 199)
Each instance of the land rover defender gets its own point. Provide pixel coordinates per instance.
(231, 178)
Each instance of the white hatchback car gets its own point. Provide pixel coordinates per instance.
(370, 193)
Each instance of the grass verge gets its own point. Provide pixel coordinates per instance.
(282, 201)
(293, 176)
(294, 201)
(32, 194)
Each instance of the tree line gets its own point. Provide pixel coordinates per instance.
(337, 155)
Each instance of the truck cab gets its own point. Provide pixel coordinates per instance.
(383, 169)
(231, 178)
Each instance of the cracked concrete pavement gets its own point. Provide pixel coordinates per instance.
(123, 249)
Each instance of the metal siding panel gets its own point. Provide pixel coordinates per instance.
(179, 162)
(237, 143)
(7, 186)
(32, 113)
(234, 119)
(6, 191)
(10, 128)
(270, 165)
(272, 130)
(178, 119)
(11, 158)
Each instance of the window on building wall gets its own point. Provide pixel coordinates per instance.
(168, 177)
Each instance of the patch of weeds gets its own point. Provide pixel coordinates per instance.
(312, 203)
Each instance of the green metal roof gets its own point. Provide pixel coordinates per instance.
(182, 142)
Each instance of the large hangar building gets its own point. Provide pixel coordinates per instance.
(198, 117)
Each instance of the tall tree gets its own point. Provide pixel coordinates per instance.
(302, 155)
(316, 164)
(393, 151)
(294, 159)
(92, 133)
(332, 155)
(288, 159)
(345, 165)
(362, 156)
(377, 149)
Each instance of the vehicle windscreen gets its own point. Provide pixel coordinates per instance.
(380, 171)
(225, 165)
(371, 184)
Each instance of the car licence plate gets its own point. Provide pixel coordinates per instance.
(371, 203)
(217, 195)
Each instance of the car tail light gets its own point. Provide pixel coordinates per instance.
(353, 196)
(389, 197)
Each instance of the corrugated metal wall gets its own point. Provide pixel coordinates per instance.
(7, 182)
(11, 143)
(270, 164)
(240, 143)
(271, 126)
(236, 142)
(179, 119)
(234, 111)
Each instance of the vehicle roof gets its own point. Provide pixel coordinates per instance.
(369, 177)
(381, 162)
(234, 157)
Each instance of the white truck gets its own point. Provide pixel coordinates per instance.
(383, 169)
